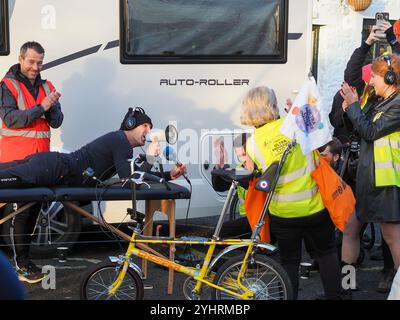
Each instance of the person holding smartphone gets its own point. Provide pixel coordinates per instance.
(357, 74)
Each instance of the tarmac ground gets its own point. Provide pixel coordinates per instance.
(95, 247)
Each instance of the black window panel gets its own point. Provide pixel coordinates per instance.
(203, 31)
(315, 45)
(4, 33)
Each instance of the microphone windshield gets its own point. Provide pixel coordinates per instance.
(169, 153)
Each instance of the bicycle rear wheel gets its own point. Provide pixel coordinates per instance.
(265, 277)
(99, 278)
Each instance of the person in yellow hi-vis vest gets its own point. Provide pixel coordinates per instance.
(378, 172)
(358, 75)
(296, 209)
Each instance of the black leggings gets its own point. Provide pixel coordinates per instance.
(319, 230)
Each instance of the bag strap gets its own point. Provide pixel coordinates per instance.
(345, 161)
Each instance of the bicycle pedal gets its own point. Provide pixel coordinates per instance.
(148, 287)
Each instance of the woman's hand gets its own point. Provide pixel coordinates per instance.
(374, 37)
(349, 95)
(384, 25)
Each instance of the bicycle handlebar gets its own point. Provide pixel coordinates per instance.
(139, 177)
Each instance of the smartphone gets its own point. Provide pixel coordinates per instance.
(380, 17)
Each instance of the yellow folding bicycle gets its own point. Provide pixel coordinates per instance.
(249, 272)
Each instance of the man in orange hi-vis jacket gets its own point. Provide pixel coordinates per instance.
(28, 108)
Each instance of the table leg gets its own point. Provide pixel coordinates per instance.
(168, 207)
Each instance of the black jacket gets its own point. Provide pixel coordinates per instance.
(353, 76)
(375, 204)
(15, 118)
(343, 128)
(107, 155)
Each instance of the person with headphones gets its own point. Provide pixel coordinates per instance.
(378, 172)
(107, 155)
(357, 74)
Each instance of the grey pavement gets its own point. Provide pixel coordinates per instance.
(94, 249)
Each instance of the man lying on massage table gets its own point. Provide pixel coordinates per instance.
(107, 155)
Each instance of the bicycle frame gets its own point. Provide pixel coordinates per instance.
(201, 274)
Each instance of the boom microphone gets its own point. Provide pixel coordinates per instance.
(170, 155)
(170, 135)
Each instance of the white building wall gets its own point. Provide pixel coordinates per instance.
(339, 36)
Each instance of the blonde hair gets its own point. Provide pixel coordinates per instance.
(259, 107)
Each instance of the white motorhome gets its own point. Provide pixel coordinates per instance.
(83, 60)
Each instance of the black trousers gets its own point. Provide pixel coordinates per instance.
(319, 230)
(22, 227)
(388, 262)
(39, 169)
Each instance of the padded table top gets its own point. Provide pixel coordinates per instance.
(156, 192)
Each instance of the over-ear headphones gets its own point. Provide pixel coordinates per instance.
(390, 77)
(130, 121)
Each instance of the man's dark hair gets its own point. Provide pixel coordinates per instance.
(335, 146)
(31, 45)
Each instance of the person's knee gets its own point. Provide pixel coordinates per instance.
(391, 234)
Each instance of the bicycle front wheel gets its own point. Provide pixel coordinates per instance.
(98, 279)
(265, 277)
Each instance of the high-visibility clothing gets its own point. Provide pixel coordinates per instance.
(241, 192)
(16, 144)
(387, 160)
(296, 193)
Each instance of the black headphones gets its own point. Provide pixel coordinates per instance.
(130, 121)
(390, 77)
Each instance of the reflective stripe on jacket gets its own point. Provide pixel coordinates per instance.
(16, 144)
(296, 194)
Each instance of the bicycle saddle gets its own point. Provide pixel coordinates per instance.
(266, 179)
(232, 174)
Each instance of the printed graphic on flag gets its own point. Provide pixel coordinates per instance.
(306, 121)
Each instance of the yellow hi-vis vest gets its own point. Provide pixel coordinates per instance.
(241, 192)
(296, 194)
(387, 160)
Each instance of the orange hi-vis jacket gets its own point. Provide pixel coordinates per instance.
(16, 144)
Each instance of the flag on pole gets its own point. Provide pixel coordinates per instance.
(306, 121)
